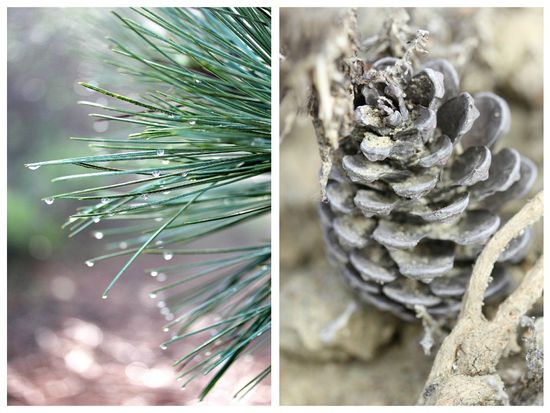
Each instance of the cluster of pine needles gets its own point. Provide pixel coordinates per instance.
(198, 164)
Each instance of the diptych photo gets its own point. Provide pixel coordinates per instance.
(400, 258)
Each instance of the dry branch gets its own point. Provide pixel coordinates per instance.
(464, 370)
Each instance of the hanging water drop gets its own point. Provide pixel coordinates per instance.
(96, 219)
(154, 273)
(160, 152)
(163, 346)
(33, 167)
(166, 329)
(168, 256)
(197, 81)
(152, 295)
(48, 201)
(156, 174)
(89, 263)
(104, 296)
(98, 235)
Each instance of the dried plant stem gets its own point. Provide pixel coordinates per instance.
(473, 299)
(464, 370)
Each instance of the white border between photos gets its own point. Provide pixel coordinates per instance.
(275, 4)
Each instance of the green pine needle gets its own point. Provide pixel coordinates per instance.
(197, 162)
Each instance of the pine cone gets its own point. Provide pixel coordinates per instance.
(415, 189)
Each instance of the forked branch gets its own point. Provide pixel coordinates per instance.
(464, 370)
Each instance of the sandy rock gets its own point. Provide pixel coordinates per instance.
(320, 320)
(395, 377)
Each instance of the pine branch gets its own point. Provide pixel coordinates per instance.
(199, 163)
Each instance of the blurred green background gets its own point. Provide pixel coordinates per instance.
(66, 346)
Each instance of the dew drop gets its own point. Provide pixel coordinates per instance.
(179, 379)
(183, 388)
(161, 277)
(166, 329)
(96, 219)
(197, 81)
(98, 235)
(89, 263)
(104, 200)
(184, 174)
(123, 245)
(160, 152)
(169, 317)
(156, 174)
(145, 197)
(163, 346)
(159, 242)
(208, 353)
(48, 201)
(158, 219)
(167, 256)
(104, 296)
(192, 122)
(166, 193)
(165, 162)
(161, 304)
(153, 295)
(72, 219)
(33, 167)
(154, 273)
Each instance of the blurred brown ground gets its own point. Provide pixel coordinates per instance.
(67, 346)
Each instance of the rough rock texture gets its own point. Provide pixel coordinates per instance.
(393, 378)
(320, 320)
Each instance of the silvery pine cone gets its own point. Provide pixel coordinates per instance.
(415, 189)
